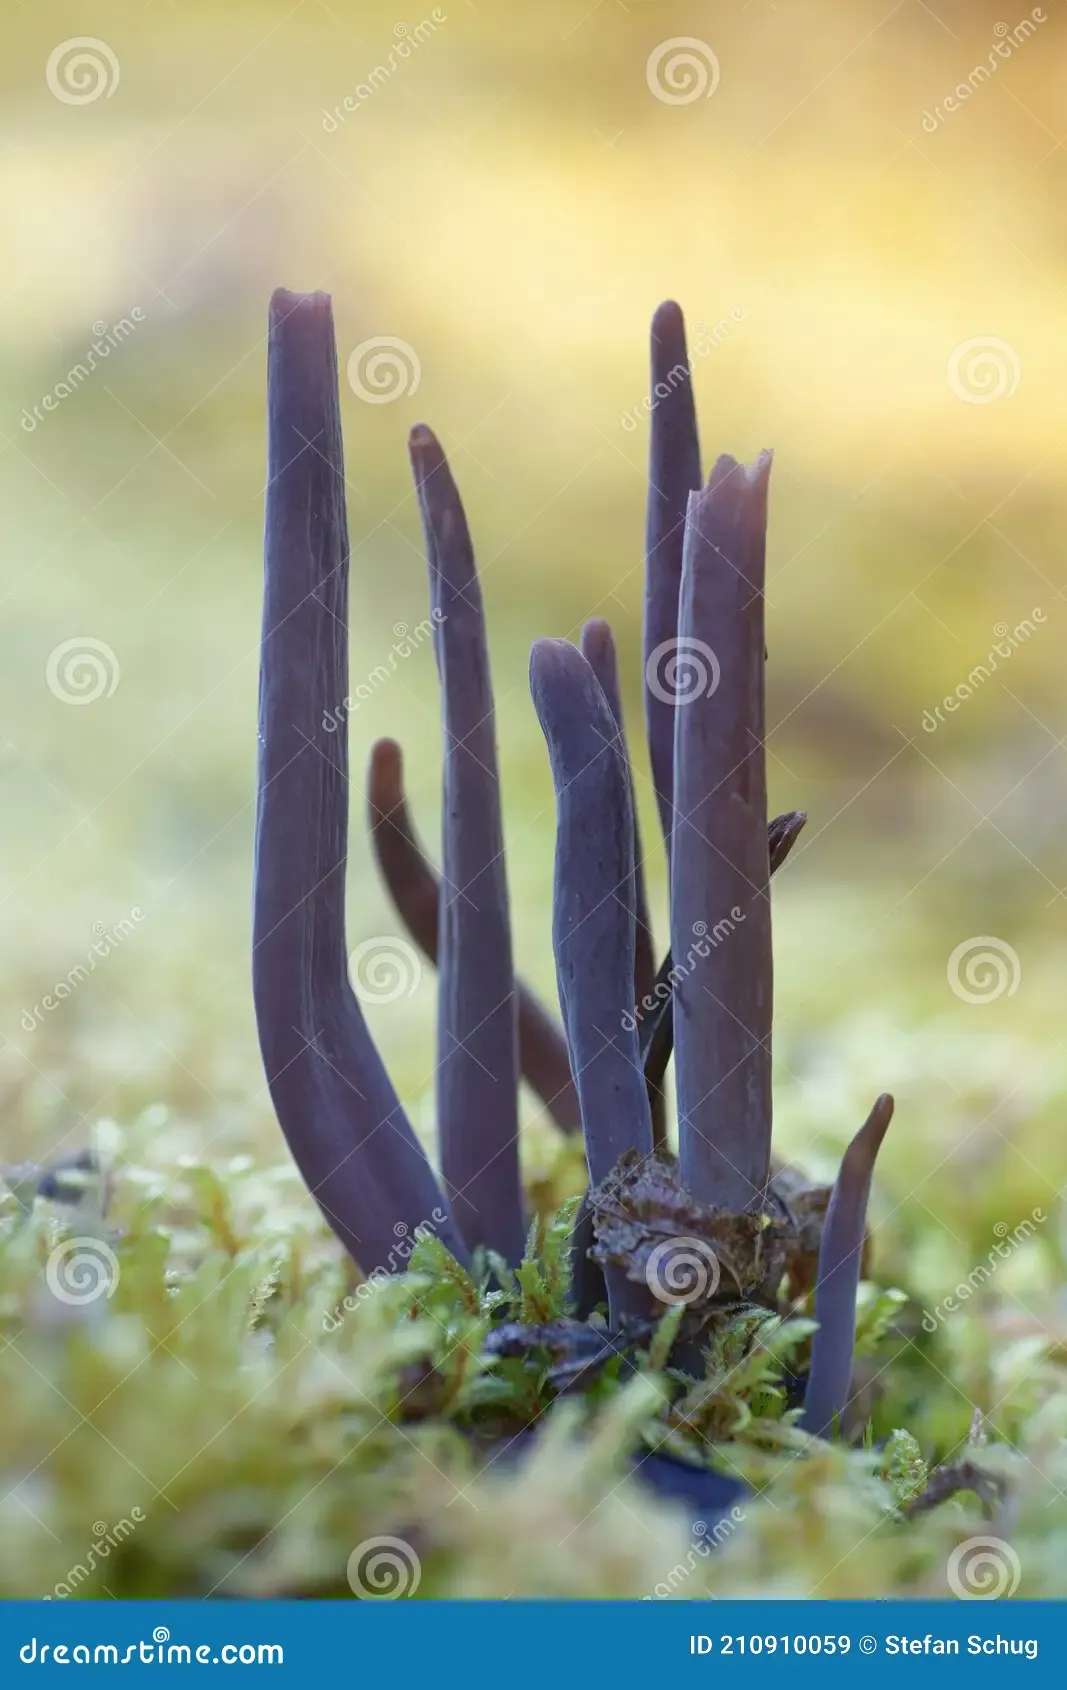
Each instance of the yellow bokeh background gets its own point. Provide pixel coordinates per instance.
(512, 200)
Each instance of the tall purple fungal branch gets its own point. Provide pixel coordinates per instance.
(415, 890)
(598, 649)
(673, 473)
(593, 903)
(720, 861)
(477, 1033)
(593, 918)
(704, 679)
(344, 1122)
(840, 1254)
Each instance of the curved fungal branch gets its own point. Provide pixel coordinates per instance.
(782, 834)
(477, 1033)
(657, 1033)
(598, 649)
(343, 1121)
(840, 1255)
(673, 473)
(593, 904)
(593, 934)
(416, 891)
(720, 857)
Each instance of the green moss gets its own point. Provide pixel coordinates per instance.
(240, 1414)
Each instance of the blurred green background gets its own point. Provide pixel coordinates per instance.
(512, 200)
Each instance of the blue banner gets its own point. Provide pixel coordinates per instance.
(539, 1644)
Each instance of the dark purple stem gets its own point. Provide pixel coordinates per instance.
(593, 905)
(477, 1055)
(343, 1121)
(416, 891)
(593, 917)
(657, 1030)
(598, 649)
(673, 473)
(840, 1255)
(720, 862)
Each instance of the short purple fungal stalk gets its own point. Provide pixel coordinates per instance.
(603, 1071)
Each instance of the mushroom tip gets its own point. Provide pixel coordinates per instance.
(667, 317)
(284, 303)
(386, 757)
(725, 468)
(730, 473)
(551, 658)
(868, 1140)
(597, 636)
(761, 469)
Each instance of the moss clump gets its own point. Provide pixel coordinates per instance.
(240, 1413)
